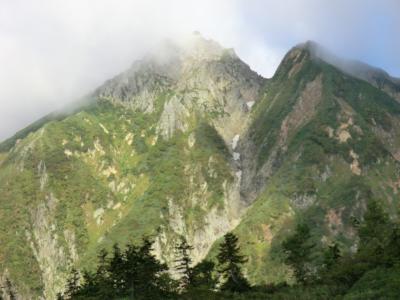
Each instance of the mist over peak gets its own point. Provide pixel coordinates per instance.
(55, 52)
(353, 67)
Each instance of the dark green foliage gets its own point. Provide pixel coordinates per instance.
(331, 257)
(375, 227)
(116, 270)
(230, 261)
(134, 273)
(298, 252)
(8, 289)
(369, 273)
(208, 138)
(184, 263)
(149, 277)
(377, 240)
(72, 284)
(203, 275)
(379, 283)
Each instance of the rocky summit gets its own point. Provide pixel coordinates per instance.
(189, 141)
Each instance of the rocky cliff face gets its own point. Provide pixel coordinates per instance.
(192, 142)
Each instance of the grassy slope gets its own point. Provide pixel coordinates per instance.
(98, 158)
(311, 152)
(158, 173)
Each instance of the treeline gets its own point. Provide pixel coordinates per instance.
(135, 273)
(371, 271)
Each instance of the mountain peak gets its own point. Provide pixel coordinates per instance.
(309, 45)
(373, 75)
(190, 61)
(317, 52)
(197, 47)
(191, 142)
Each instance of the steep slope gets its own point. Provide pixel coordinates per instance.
(150, 156)
(189, 141)
(375, 76)
(321, 144)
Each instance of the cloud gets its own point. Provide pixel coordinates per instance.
(53, 51)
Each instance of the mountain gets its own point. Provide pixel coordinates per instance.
(190, 141)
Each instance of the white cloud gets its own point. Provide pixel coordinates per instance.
(53, 51)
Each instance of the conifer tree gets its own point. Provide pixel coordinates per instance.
(9, 289)
(203, 275)
(102, 281)
(332, 255)
(298, 249)
(72, 287)
(150, 270)
(132, 276)
(230, 261)
(184, 262)
(375, 227)
(134, 273)
(117, 269)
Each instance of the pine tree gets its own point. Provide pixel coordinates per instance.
(203, 275)
(72, 287)
(102, 282)
(378, 243)
(332, 255)
(331, 261)
(133, 273)
(376, 225)
(9, 290)
(392, 250)
(184, 262)
(117, 269)
(102, 267)
(230, 261)
(298, 250)
(150, 271)
(132, 277)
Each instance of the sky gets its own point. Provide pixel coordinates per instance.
(54, 51)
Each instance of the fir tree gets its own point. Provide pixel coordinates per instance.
(132, 277)
(203, 275)
(150, 271)
(230, 261)
(375, 227)
(331, 256)
(298, 249)
(9, 290)
(184, 262)
(116, 270)
(134, 273)
(72, 287)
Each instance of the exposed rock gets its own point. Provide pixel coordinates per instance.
(302, 112)
(104, 128)
(250, 104)
(235, 141)
(42, 174)
(174, 117)
(334, 220)
(98, 215)
(51, 256)
(116, 184)
(355, 166)
(191, 140)
(303, 201)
